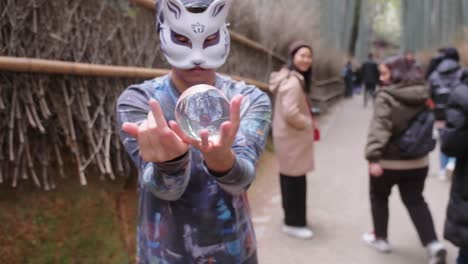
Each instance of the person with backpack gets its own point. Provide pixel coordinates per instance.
(442, 81)
(293, 136)
(454, 138)
(400, 111)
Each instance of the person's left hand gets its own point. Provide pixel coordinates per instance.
(218, 156)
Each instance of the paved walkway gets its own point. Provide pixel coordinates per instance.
(338, 203)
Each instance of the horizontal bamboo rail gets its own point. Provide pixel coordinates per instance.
(17, 64)
(151, 5)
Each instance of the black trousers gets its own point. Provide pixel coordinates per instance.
(369, 92)
(293, 192)
(411, 186)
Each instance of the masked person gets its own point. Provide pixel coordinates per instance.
(193, 206)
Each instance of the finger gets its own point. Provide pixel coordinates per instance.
(235, 109)
(205, 143)
(226, 134)
(131, 129)
(157, 113)
(181, 134)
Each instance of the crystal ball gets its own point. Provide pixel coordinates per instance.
(202, 107)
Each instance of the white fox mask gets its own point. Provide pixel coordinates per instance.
(190, 40)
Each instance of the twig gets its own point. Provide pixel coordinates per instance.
(107, 153)
(17, 164)
(2, 104)
(31, 165)
(11, 125)
(59, 160)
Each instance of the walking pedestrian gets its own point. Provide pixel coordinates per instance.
(370, 78)
(402, 97)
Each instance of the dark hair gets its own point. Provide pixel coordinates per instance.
(401, 72)
(307, 75)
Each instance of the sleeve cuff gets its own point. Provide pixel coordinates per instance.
(174, 165)
(229, 177)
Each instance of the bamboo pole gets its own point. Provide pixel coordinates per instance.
(31, 65)
(21, 64)
(151, 5)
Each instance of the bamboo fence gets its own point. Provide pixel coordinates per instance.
(57, 116)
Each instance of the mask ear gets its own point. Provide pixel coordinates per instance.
(172, 9)
(219, 10)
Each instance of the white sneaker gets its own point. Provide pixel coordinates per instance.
(381, 245)
(437, 253)
(299, 232)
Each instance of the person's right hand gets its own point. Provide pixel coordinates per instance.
(375, 170)
(158, 143)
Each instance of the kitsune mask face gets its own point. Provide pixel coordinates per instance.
(190, 40)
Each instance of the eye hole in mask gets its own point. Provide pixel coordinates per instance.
(180, 39)
(211, 40)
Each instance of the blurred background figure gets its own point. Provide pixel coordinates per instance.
(402, 97)
(293, 139)
(348, 76)
(454, 138)
(369, 77)
(444, 74)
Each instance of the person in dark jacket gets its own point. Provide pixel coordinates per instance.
(401, 98)
(442, 82)
(455, 143)
(442, 53)
(370, 77)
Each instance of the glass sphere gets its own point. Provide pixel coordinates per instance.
(202, 107)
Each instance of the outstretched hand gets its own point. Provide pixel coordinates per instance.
(218, 156)
(158, 143)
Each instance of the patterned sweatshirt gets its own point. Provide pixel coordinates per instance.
(186, 214)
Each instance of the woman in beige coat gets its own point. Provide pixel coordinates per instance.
(293, 136)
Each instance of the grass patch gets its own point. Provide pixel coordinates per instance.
(69, 225)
